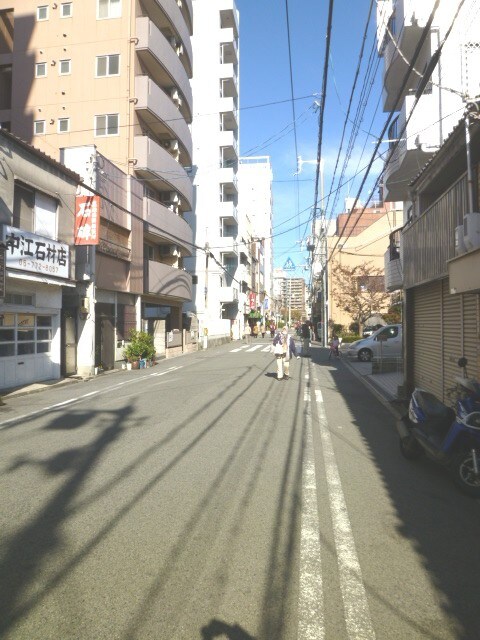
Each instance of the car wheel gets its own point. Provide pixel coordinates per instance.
(364, 355)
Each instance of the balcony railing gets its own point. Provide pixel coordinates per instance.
(429, 242)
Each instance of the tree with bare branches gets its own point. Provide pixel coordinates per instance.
(359, 290)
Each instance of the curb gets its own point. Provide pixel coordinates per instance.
(387, 403)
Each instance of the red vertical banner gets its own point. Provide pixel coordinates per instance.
(87, 219)
(253, 301)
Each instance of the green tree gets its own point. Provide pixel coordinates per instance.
(359, 290)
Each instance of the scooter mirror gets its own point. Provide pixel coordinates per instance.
(462, 362)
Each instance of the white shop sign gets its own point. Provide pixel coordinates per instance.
(29, 252)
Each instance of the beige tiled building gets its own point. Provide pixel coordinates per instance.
(359, 238)
(112, 79)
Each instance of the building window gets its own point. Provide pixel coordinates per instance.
(65, 67)
(40, 69)
(42, 12)
(63, 125)
(66, 10)
(108, 65)
(109, 9)
(34, 211)
(25, 334)
(106, 125)
(39, 127)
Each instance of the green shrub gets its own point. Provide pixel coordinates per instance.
(140, 346)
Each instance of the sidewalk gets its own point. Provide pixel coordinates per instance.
(384, 385)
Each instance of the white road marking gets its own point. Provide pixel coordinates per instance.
(239, 348)
(357, 613)
(311, 608)
(65, 403)
(267, 348)
(255, 348)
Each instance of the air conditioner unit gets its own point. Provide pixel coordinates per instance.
(471, 231)
(459, 241)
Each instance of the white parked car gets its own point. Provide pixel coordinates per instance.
(384, 343)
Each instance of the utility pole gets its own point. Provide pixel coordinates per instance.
(205, 328)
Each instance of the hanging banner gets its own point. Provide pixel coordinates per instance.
(87, 219)
(252, 300)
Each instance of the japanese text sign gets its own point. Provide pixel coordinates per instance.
(87, 219)
(28, 252)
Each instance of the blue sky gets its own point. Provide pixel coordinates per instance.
(267, 130)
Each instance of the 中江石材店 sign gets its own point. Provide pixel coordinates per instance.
(28, 252)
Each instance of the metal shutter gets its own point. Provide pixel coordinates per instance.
(427, 331)
(452, 346)
(471, 332)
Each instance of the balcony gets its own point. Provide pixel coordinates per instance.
(228, 179)
(228, 294)
(162, 280)
(395, 67)
(228, 211)
(160, 60)
(229, 15)
(164, 224)
(414, 149)
(153, 162)
(228, 140)
(229, 80)
(228, 47)
(157, 110)
(227, 245)
(168, 13)
(229, 113)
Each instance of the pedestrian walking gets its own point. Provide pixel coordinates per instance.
(305, 335)
(284, 348)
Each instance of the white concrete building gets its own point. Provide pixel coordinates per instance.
(400, 25)
(215, 259)
(255, 190)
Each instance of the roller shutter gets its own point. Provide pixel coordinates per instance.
(452, 347)
(471, 332)
(427, 332)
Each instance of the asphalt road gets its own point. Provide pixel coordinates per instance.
(203, 499)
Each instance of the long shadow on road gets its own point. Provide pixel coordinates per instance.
(442, 524)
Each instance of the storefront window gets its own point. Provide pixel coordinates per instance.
(25, 334)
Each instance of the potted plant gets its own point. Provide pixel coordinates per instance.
(140, 347)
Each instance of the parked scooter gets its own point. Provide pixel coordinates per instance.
(450, 437)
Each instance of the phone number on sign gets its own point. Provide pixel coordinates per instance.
(38, 266)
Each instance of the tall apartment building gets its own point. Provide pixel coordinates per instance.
(289, 293)
(215, 262)
(110, 79)
(255, 185)
(400, 26)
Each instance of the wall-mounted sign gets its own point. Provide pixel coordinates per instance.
(253, 300)
(87, 219)
(28, 252)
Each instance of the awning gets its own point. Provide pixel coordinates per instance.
(42, 279)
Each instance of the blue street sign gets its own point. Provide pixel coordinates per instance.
(289, 266)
